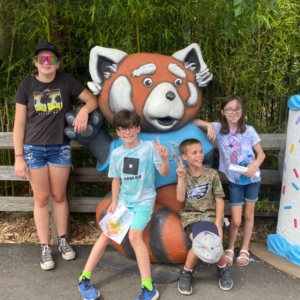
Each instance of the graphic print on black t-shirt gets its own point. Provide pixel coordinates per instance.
(131, 165)
(48, 101)
(197, 192)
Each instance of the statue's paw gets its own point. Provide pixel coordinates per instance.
(96, 137)
(83, 138)
(94, 87)
(70, 117)
(94, 127)
(96, 119)
(95, 123)
(70, 134)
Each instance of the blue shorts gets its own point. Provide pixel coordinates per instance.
(39, 156)
(142, 216)
(239, 193)
(189, 228)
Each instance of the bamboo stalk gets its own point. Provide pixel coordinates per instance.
(137, 22)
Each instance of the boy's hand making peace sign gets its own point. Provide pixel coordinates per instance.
(162, 150)
(180, 168)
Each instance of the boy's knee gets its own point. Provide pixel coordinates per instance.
(104, 239)
(135, 238)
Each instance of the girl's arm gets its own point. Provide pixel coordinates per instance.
(89, 99)
(21, 168)
(81, 119)
(219, 215)
(252, 168)
(211, 133)
(115, 189)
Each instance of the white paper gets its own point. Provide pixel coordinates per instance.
(116, 226)
(241, 169)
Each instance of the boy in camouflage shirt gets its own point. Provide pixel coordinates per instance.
(201, 190)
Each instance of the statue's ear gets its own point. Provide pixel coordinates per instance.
(193, 61)
(103, 61)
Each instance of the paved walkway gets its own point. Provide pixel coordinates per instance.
(21, 278)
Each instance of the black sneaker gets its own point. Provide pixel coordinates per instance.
(225, 280)
(64, 247)
(185, 282)
(47, 262)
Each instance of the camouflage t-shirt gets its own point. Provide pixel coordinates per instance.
(201, 194)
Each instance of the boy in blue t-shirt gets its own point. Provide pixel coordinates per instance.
(132, 171)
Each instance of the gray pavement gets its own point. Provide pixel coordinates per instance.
(22, 278)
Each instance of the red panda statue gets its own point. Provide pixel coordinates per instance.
(167, 92)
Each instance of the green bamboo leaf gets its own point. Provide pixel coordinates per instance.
(237, 2)
(91, 42)
(237, 11)
(92, 12)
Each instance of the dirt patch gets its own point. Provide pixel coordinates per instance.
(19, 228)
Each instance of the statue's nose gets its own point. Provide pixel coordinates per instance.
(170, 96)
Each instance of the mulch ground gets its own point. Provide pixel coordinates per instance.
(19, 228)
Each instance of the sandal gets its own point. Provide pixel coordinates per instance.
(229, 259)
(245, 258)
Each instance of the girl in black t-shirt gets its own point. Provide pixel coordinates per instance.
(42, 152)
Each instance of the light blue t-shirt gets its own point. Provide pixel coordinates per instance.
(136, 169)
(236, 148)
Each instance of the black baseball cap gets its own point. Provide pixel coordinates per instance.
(46, 46)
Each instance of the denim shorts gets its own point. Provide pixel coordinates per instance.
(39, 156)
(142, 216)
(239, 193)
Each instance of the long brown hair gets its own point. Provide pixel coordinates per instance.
(241, 127)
